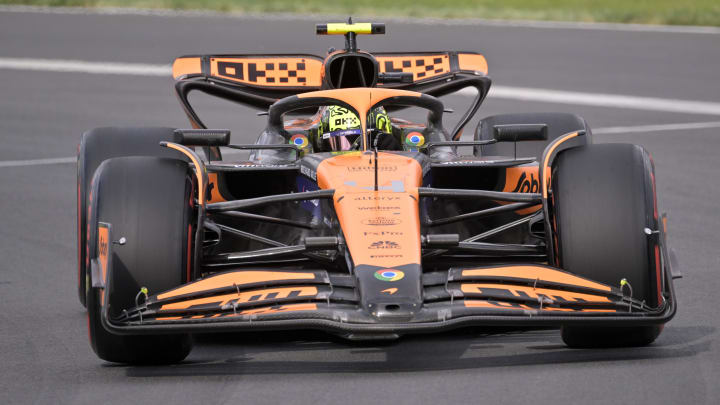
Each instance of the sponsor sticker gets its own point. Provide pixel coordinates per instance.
(378, 208)
(308, 172)
(415, 139)
(525, 185)
(389, 275)
(382, 233)
(376, 198)
(381, 221)
(384, 244)
(381, 168)
(385, 256)
(299, 140)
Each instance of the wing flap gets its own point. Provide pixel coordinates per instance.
(430, 65)
(274, 71)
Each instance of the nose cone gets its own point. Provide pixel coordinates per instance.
(381, 229)
(390, 294)
(394, 311)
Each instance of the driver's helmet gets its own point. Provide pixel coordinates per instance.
(340, 129)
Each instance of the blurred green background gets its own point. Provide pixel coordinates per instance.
(673, 12)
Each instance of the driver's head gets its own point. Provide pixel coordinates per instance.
(339, 129)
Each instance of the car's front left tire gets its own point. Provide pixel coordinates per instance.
(146, 200)
(96, 146)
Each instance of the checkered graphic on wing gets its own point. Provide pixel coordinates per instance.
(421, 66)
(272, 73)
(267, 72)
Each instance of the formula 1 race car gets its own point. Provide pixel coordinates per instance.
(367, 232)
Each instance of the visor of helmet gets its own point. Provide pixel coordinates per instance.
(341, 140)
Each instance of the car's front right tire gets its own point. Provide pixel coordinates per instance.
(603, 200)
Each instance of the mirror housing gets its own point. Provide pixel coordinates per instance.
(203, 137)
(520, 132)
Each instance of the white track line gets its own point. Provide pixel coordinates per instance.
(37, 162)
(596, 131)
(604, 100)
(655, 128)
(678, 29)
(79, 66)
(501, 92)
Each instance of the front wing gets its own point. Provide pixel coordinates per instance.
(257, 299)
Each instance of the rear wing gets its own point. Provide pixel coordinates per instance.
(305, 72)
(258, 81)
(432, 65)
(301, 72)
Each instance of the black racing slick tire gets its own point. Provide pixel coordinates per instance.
(558, 124)
(146, 201)
(96, 146)
(602, 201)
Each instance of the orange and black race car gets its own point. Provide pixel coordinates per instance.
(374, 230)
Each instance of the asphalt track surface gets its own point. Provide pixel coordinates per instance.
(44, 353)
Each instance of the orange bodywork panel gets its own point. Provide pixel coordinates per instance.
(531, 292)
(186, 66)
(264, 71)
(546, 163)
(103, 258)
(429, 65)
(472, 61)
(271, 71)
(516, 306)
(198, 168)
(214, 189)
(277, 309)
(536, 273)
(244, 297)
(361, 99)
(421, 66)
(238, 278)
(523, 179)
(381, 228)
(274, 309)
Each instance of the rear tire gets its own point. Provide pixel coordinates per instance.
(96, 146)
(558, 124)
(603, 198)
(146, 201)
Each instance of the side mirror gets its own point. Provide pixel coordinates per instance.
(203, 137)
(520, 132)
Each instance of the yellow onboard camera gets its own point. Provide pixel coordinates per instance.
(346, 28)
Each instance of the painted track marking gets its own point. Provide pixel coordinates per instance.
(654, 128)
(79, 66)
(37, 162)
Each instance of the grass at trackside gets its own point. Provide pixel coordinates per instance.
(671, 12)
